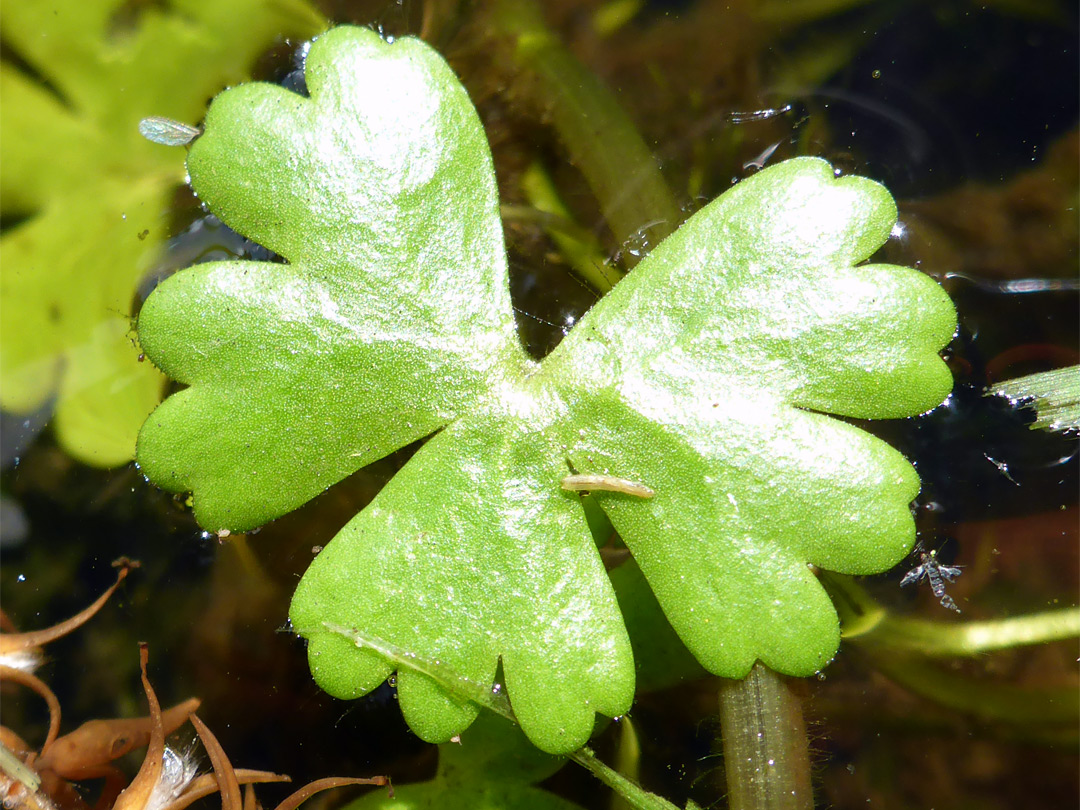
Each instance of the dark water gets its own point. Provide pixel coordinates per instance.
(964, 112)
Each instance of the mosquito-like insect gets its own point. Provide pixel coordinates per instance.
(936, 574)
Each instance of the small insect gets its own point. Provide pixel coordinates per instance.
(1002, 467)
(936, 574)
(167, 132)
(605, 483)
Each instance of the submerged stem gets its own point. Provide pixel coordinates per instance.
(972, 638)
(868, 624)
(766, 754)
(598, 134)
(632, 793)
(993, 702)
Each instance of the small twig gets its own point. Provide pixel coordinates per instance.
(228, 786)
(297, 798)
(32, 681)
(135, 795)
(207, 784)
(14, 642)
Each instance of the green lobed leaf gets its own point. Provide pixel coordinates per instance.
(746, 495)
(660, 656)
(698, 402)
(500, 568)
(706, 375)
(93, 196)
(288, 364)
(758, 290)
(493, 767)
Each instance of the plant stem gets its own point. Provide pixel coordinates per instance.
(766, 755)
(627, 761)
(17, 771)
(602, 141)
(871, 626)
(581, 249)
(972, 638)
(1054, 395)
(634, 795)
(988, 701)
